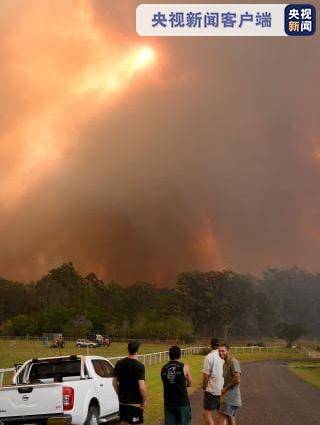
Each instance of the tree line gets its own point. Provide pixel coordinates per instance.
(222, 303)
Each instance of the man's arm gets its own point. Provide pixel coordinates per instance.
(207, 366)
(205, 380)
(188, 376)
(115, 384)
(143, 391)
(235, 381)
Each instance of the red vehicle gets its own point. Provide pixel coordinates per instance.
(103, 341)
(58, 342)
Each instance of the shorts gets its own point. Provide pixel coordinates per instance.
(228, 409)
(210, 401)
(131, 414)
(177, 415)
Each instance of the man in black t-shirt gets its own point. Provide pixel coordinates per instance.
(176, 378)
(129, 383)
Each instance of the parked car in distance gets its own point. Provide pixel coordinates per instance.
(84, 343)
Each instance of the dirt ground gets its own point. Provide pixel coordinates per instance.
(272, 395)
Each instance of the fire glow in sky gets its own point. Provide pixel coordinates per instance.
(47, 133)
(139, 158)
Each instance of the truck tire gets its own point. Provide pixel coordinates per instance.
(93, 417)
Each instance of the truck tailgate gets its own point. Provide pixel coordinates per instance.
(31, 400)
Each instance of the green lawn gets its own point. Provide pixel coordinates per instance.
(278, 354)
(18, 351)
(309, 371)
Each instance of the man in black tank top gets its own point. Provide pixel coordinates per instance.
(176, 378)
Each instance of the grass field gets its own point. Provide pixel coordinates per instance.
(279, 354)
(12, 352)
(17, 351)
(308, 370)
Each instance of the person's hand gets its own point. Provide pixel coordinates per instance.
(144, 404)
(224, 390)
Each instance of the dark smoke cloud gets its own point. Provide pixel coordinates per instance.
(210, 164)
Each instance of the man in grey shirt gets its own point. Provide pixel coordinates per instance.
(231, 396)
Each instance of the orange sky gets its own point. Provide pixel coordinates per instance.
(139, 158)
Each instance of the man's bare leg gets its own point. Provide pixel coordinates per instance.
(207, 416)
(222, 419)
(231, 420)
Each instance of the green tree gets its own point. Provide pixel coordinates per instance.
(170, 327)
(218, 302)
(60, 287)
(57, 319)
(289, 332)
(20, 325)
(295, 297)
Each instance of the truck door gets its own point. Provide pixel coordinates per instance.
(104, 377)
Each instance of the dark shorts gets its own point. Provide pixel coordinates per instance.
(131, 414)
(228, 409)
(177, 415)
(210, 401)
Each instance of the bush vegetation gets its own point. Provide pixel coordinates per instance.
(223, 303)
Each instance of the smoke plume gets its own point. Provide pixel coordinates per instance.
(207, 157)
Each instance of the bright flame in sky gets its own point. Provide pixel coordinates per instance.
(144, 57)
(104, 79)
(81, 71)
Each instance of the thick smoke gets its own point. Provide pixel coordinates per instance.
(207, 159)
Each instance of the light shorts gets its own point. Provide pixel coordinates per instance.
(228, 409)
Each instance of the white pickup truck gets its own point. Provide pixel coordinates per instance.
(74, 390)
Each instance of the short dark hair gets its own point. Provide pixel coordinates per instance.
(174, 352)
(224, 345)
(214, 342)
(133, 347)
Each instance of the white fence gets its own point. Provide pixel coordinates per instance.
(159, 357)
(149, 359)
(256, 349)
(154, 358)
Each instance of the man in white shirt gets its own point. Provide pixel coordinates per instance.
(212, 382)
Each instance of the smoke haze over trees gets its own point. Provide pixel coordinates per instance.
(222, 303)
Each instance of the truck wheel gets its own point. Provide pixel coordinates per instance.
(93, 417)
